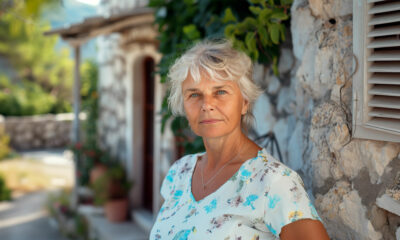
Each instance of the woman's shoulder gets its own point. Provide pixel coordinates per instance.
(185, 162)
(270, 170)
(181, 167)
(178, 175)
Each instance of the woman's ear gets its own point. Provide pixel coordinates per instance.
(245, 106)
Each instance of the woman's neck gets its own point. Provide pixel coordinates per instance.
(223, 149)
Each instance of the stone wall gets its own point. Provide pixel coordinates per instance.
(112, 7)
(309, 108)
(38, 132)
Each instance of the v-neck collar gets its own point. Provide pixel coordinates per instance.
(194, 160)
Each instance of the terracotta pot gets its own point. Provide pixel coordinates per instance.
(97, 171)
(116, 210)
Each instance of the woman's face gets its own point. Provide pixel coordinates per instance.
(213, 109)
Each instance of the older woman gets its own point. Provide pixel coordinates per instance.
(234, 190)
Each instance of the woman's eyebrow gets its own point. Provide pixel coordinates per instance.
(190, 90)
(223, 86)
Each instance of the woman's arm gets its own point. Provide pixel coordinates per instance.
(305, 229)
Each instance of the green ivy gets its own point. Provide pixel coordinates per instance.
(256, 27)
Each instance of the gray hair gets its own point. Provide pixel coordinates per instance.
(222, 63)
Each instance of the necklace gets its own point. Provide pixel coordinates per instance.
(216, 174)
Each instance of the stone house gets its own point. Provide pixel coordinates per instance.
(334, 109)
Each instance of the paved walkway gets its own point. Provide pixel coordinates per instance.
(25, 217)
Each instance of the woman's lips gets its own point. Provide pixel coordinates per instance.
(209, 121)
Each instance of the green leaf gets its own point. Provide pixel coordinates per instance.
(264, 16)
(251, 45)
(282, 31)
(255, 10)
(279, 16)
(275, 65)
(191, 32)
(274, 33)
(239, 45)
(256, 1)
(264, 37)
(230, 30)
(250, 23)
(286, 2)
(250, 41)
(228, 16)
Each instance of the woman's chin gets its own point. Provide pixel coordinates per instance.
(211, 133)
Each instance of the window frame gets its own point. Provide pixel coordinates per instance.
(360, 79)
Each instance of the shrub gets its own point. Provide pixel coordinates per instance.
(5, 192)
(28, 98)
(5, 149)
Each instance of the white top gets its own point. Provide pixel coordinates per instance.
(255, 203)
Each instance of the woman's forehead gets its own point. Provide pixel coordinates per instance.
(206, 81)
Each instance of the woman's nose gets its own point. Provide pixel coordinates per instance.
(208, 104)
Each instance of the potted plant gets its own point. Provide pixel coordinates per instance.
(112, 191)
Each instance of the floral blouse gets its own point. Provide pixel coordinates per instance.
(255, 203)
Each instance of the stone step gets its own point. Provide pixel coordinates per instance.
(102, 229)
(143, 218)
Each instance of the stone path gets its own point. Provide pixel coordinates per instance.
(25, 217)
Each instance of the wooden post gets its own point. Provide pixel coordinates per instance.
(77, 96)
(76, 122)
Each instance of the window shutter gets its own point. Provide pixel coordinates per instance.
(376, 84)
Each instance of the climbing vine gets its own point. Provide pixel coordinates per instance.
(256, 27)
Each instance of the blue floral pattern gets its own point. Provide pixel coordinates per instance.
(257, 201)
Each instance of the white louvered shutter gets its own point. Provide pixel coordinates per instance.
(376, 85)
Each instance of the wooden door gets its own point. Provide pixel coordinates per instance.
(148, 132)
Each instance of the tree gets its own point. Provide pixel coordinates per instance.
(32, 54)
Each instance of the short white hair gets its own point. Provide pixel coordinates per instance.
(222, 63)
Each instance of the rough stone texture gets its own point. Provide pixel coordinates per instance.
(310, 113)
(264, 117)
(328, 9)
(286, 61)
(281, 130)
(295, 155)
(349, 215)
(274, 86)
(41, 131)
(112, 100)
(360, 153)
(302, 27)
(325, 61)
(286, 100)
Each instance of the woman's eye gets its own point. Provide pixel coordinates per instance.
(193, 95)
(221, 92)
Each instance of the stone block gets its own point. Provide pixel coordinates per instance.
(326, 60)
(327, 9)
(282, 136)
(295, 155)
(264, 118)
(274, 85)
(258, 73)
(344, 214)
(286, 61)
(389, 204)
(302, 28)
(286, 100)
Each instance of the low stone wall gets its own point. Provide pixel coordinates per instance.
(41, 131)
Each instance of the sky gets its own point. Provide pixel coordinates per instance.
(74, 11)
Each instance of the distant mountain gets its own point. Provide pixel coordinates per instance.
(72, 12)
